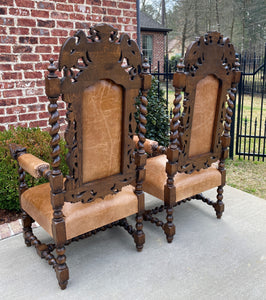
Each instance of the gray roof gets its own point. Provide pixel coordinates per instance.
(148, 24)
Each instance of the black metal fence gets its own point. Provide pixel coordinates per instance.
(248, 130)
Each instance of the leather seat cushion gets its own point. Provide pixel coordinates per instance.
(79, 218)
(187, 185)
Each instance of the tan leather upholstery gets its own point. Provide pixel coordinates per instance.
(148, 145)
(204, 116)
(102, 127)
(32, 164)
(186, 185)
(79, 218)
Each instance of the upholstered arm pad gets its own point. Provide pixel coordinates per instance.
(33, 165)
(150, 146)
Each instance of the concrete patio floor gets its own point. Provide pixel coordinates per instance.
(208, 259)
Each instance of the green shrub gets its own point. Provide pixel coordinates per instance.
(38, 144)
(157, 120)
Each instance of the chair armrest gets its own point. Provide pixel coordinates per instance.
(28, 162)
(150, 146)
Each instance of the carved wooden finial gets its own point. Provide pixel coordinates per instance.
(51, 69)
(181, 65)
(145, 66)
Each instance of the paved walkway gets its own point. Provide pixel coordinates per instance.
(209, 259)
(13, 228)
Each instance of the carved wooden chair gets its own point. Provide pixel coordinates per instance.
(102, 75)
(195, 158)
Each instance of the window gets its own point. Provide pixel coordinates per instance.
(147, 49)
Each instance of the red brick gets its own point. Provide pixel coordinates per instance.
(36, 107)
(19, 12)
(3, 30)
(64, 24)
(26, 22)
(7, 40)
(28, 40)
(29, 100)
(43, 49)
(25, 83)
(59, 32)
(94, 18)
(75, 17)
(40, 13)
(19, 30)
(129, 13)
(45, 5)
(109, 3)
(7, 102)
(48, 40)
(8, 57)
(46, 57)
(22, 49)
(12, 93)
(3, 10)
(40, 31)
(7, 21)
(99, 10)
(32, 75)
(40, 123)
(7, 3)
(76, 1)
(25, 3)
(94, 2)
(5, 67)
(7, 85)
(64, 7)
(43, 99)
(84, 25)
(114, 12)
(59, 15)
(46, 23)
(29, 57)
(35, 92)
(2, 111)
(8, 119)
(44, 115)
(15, 110)
(26, 66)
(82, 8)
(109, 19)
(42, 66)
(12, 75)
(124, 5)
(5, 49)
(28, 117)
(2, 128)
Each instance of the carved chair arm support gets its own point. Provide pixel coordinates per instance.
(151, 147)
(28, 162)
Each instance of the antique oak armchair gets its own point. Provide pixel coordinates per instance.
(102, 75)
(200, 135)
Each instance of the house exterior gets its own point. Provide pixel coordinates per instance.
(153, 40)
(32, 32)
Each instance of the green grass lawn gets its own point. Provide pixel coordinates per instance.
(248, 176)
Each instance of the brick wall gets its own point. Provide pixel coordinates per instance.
(31, 32)
(158, 48)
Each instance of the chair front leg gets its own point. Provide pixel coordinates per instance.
(61, 267)
(139, 236)
(169, 227)
(219, 205)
